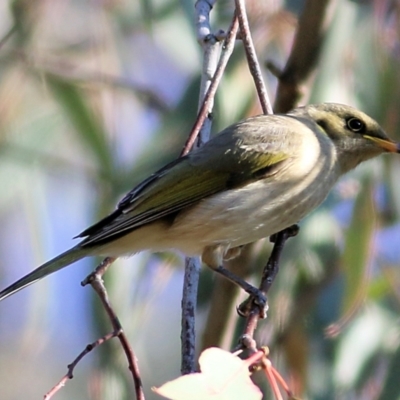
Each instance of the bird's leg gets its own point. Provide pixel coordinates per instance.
(213, 257)
(256, 294)
(269, 273)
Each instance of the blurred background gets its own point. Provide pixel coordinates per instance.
(96, 95)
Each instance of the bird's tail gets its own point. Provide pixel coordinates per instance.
(61, 261)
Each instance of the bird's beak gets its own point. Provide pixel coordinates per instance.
(385, 144)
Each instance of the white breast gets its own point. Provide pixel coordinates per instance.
(259, 209)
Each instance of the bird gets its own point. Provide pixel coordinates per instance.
(250, 181)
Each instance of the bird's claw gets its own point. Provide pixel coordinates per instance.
(290, 231)
(256, 302)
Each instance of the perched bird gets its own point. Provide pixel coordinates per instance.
(257, 177)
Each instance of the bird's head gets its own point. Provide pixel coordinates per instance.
(356, 136)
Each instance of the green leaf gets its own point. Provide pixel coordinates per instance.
(391, 387)
(357, 250)
(91, 131)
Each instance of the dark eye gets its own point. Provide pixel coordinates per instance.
(355, 125)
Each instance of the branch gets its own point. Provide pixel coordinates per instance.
(222, 316)
(225, 293)
(71, 367)
(227, 50)
(304, 55)
(95, 279)
(301, 63)
(249, 308)
(211, 51)
(211, 76)
(251, 55)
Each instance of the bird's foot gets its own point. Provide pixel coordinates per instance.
(290, 231)
(255, 303)
(256, 299)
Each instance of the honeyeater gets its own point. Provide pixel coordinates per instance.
(253, 179)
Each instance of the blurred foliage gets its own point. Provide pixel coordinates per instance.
(96, 95)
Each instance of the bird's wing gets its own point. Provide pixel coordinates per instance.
(226, 162)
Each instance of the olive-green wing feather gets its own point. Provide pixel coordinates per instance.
(240, 154)
(243, 153)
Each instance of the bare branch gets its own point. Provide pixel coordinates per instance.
(203, 8)
(189, 305)
(301, 62)
(95, 279)
(222, 317)
(211, 52)
(249, 308)
(69, 375)
(227, 50)
(305, 52)
(251, 55)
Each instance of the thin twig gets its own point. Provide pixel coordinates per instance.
(305, 53)
(251, 55)
(227, 50)
(272, 267)
(71, 367)
(249, 308)
(95, 279)
(219, 329)
(211, 45)
(300, 64)
(272, 380)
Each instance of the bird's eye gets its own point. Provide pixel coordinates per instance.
(355, 125)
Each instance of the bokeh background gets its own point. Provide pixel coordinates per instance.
(94, 96)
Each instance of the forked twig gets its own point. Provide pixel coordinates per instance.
(71, 367)
(95, 279)
(227, 50)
